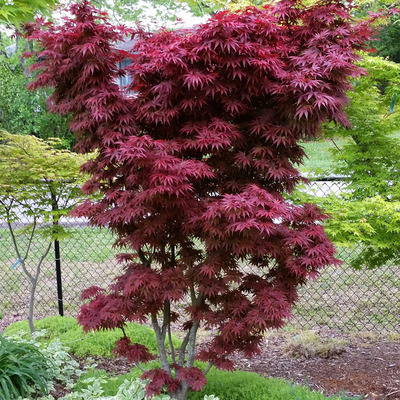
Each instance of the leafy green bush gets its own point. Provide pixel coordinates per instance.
(23, 370)
(130, 389)
(67, 330)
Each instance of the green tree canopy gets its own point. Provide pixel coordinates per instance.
(38, 185)
(23, 111)
(389, 40)
(367, 211)
(17, 11)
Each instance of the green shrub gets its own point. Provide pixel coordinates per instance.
(240, 385)
(23, 370)
(67, 330)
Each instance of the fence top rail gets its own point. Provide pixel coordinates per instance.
(329, 178)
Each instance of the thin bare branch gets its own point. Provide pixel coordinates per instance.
(16, 248)
(337, 147)
(209, 366)
(140, 367)
(31, 237)
(171, 345)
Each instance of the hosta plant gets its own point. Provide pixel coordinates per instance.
(193, 161)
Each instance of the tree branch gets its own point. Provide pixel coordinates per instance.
(143, 258)
(209, 366)
(192, 344)
(15, 244)
(182, 349)
(337, 147)
(31, 237)
(171, 345)
(140, 367)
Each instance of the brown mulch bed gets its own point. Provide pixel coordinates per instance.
(367, 369)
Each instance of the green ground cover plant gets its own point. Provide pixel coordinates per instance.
(238, 385)
(241, 385)
(83, 344)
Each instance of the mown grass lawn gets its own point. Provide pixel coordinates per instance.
(319, 155)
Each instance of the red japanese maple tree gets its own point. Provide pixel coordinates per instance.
(193, 168)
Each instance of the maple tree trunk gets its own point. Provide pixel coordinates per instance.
(181, 394)
(160, 336)
(34, 281)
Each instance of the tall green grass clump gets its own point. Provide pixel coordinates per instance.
(23, 370)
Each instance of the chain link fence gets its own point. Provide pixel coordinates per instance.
(341, 298)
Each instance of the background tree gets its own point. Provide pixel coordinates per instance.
(388, 43)
(17, 11)
(154, 12)
(367, 211)
(193, 168)
(22, 111)
(38, 186)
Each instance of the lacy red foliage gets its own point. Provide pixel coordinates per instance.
(192, 168)
(133, 352)
(193, 377)
(158, 379)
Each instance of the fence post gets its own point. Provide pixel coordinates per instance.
(54, 207)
